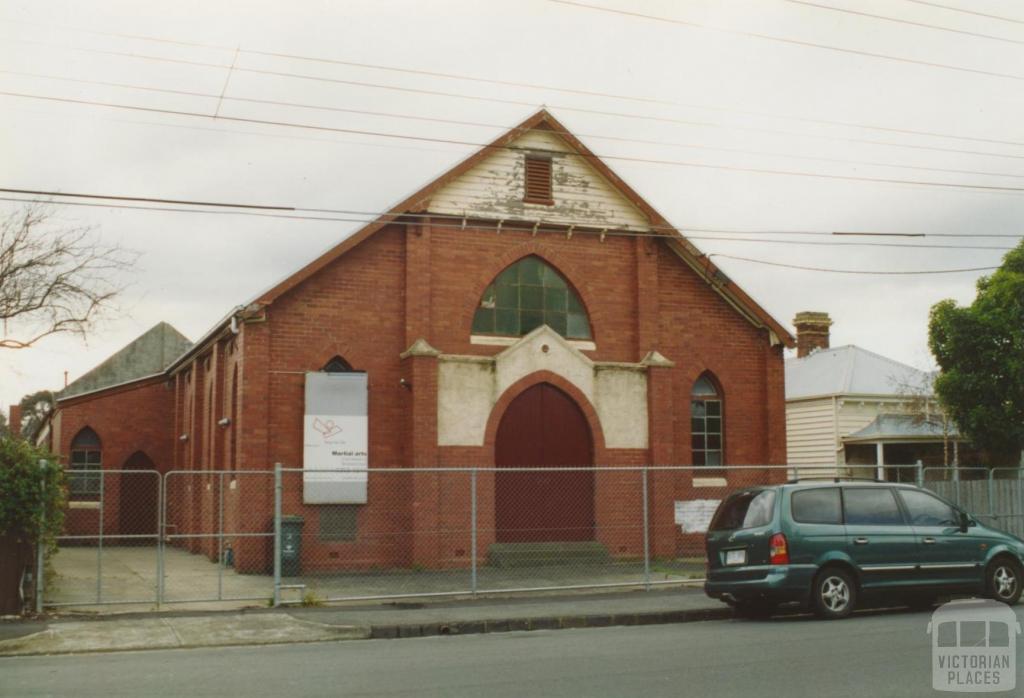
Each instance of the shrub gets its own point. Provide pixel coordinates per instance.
(32, 497)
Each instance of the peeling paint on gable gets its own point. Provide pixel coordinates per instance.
(495, 187)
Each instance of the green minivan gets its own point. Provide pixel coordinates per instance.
(828, 543)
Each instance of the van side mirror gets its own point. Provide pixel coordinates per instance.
(965, 521)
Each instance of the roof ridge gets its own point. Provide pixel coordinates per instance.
(887, 359)
(851, 361)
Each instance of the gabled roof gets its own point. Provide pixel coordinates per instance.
(147, 355)
(851, 370)
(418, 201)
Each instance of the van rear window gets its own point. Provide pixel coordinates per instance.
(745, 510)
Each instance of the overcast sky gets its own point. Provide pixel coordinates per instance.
(723, 98)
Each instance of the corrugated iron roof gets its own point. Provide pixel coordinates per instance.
(148, 354)
(903, 426)
(851, 370)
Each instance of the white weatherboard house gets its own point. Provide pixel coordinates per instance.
(847, 406)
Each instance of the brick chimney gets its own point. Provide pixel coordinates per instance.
(811, 332)
(14, 421)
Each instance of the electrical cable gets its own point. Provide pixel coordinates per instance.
(622, 158)
(560, 230)
(793, 42)
(457, 122)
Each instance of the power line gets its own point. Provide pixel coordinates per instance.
(610, 233)
(623, 158)
(300, 213)
(455, 76)
(115, 197)
(734, 231)
(687, 105)
(866, 272)
(225, 129)
(966, 12)
(458, 122)
(793, 42)
(923, 25)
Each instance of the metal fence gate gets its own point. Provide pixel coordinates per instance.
(109, 550)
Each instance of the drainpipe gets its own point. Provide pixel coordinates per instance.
(234, 317)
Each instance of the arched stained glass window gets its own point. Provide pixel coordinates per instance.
(706, 422)
(526, 295)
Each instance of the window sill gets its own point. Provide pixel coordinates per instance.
(83, 504)
(709, 481)
(496, 341)
(541, 202)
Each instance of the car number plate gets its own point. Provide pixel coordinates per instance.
(735, 557)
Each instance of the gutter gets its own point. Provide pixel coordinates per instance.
(122, 384)
(229, 321)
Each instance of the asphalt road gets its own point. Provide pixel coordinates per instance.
(871, 654)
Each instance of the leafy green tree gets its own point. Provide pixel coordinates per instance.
(980, 351)
(35, 408)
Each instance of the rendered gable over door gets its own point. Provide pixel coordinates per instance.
(494, 189)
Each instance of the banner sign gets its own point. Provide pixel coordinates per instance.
(694, 516)
(335, 439)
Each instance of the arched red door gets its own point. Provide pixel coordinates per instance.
(138, 499)
(543, 427)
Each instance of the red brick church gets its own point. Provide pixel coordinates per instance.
(527, 307)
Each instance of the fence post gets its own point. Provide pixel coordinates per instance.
(472, 533)
(99, 546)
(919, 474)
(991, 498)
(647, 535)
(161, 520)
(277, 534)
(220, 537)
(41, 544)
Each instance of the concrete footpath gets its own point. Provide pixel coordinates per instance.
(167, 630)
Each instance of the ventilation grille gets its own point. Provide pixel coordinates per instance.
(538, 180)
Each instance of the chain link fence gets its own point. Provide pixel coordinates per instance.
(237, 537)
(994, 495)
(109, 546)
(218, 536)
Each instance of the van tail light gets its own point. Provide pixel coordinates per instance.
(779, 550)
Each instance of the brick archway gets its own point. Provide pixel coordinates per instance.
(527, 382)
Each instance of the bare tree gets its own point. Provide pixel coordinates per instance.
(920, 403)
(54, 279)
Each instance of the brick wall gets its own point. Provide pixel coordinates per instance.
(424, 281)
(136, 418)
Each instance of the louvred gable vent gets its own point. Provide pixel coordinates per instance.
(538, 180)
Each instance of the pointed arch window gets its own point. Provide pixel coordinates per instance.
(526, 295)
(86, 455)
(706, 422)
(337, 365)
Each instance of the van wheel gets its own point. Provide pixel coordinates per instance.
(1003, 580)
(834, 594)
